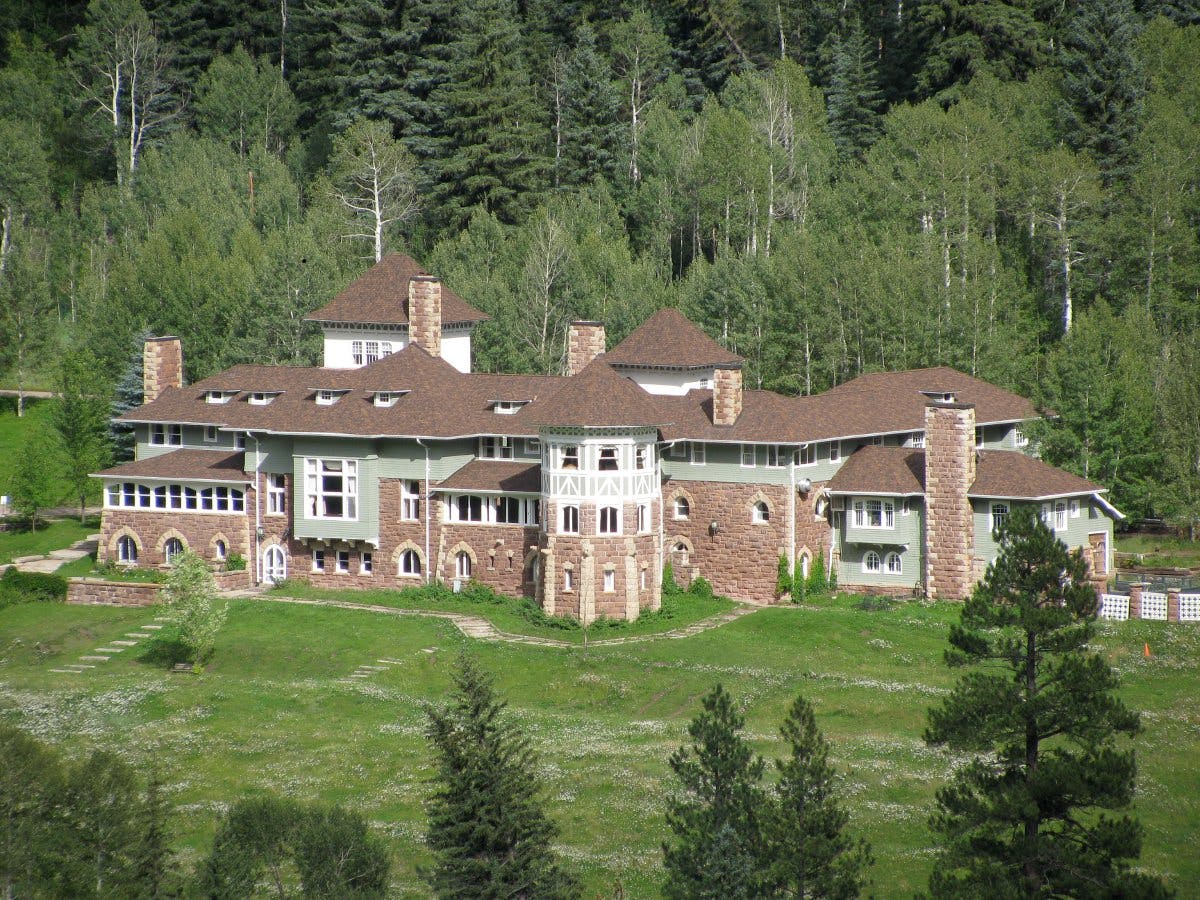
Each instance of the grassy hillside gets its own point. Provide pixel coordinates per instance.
(278, 711)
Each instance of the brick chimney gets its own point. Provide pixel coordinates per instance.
(949, 474)
(727, 394)
(585, 341)
(162, 366)
(425, 312)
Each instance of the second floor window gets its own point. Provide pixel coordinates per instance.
(331, 488)
(166, 435)
(874, 514)
(608, 459)
(570, 457)
(610, 520)
(410, 500)
(276, 494)
(776, 456)
(495, 448)
(807, 455)
(999, 514)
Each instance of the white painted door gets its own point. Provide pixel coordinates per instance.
(274, 564)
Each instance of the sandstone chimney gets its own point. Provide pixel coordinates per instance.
(949, 474)
(585, 341)
(425, 312)
(727, 393)
(162, 366)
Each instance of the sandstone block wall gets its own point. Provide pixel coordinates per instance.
(162, 366)
(727, 394)
(93, 591)
(199, 532)
(949, 524)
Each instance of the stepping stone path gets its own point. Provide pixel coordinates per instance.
(366, 670)
(104, 654)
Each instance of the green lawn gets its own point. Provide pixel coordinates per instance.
(14, 431)
(1161, 550)
(54, 536)
(277, 711)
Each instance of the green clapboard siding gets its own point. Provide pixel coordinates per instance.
(366, 526)
(906, 539)
(1092, 518)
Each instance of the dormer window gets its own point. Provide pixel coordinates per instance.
(261, 398)
(507, 407)
(219, 396)
(388, 398)
(327, 397)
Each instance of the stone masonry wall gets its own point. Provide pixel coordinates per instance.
(727, 394)
(585, 341)
(93, 591)
(150, 529)
(949, 525)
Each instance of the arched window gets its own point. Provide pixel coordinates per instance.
(893, 564)
(220, 550)
(610, 520)
(410, 564)
(683, 509)
(805, 564)
(462, 565)
(760, 512)
(681, 552)
(274, 564)
(126, 549)
(871, 562)
(172, 548)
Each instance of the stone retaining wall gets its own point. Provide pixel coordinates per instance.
(98, 592)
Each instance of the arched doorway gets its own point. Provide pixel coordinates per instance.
(274, 564)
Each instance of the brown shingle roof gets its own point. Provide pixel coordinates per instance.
(766, 417)
(204, 465)
(1008, 473)
(881, 470)
(496, 477)
(597, 397)
(669, 340)
(380, 296)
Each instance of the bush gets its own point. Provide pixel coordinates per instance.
(874, 603)
(191, 598)
(235, 562)
(31, 587)
(817, 583)
(700, 587)
(783, 578)
(669, 585)
(799, 581)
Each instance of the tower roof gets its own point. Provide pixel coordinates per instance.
(668, 340)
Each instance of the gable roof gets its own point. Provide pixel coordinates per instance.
(598, 397)
(669, 340)
(380, 297)
(194, 465)
(1011, 474)
(881, 470)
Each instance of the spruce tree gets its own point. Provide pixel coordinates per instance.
(488, 831)
(370, 57)
(592, 135)
(487, 151)
(965, 38)
(81, 419)
(853, 100)
(720, 796)
(152, 863)
(1027, 816)
(128, 395)
(810, 855)
(1102, 84)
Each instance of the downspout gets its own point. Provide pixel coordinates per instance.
(428, 505)
(662, 516)
(257, 509)
(791, 549)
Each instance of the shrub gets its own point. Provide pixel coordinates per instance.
(700, 587)
(873, 603)
(669, 584)
(783, 578)
(235, 562)
(31, 587)
(817, 584)
(191, 598)
(799, 582)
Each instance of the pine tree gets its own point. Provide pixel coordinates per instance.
(1102, 84)
(1026, 816)
(152, 863)
(810, 855)
(370, 56)
(81, 419)
(428, 29)
(486, 151)
(488, 830)
(720, 787)
(853, 99)
(592, 135)
(128, 395)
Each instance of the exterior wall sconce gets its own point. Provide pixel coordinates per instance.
(714, 528)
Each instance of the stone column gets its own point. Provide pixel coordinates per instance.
(727, 394)
(162, 366)
(632, 588)
(585, 341)
(949, 522)
(1173, 604)
(1135, 600)
(425, 312)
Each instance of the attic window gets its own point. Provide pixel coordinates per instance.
(327, 397)
(261, 398)
(219, 396)
(388, 398)
(507, 407)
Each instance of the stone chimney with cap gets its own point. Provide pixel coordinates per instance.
(162, 366)
(727, 393)
(425, 312)
(585, 341)
(949, 474)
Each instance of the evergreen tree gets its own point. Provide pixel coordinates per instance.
(853, 98)
(591, 131)
(810, 855)
(1103, 84)
(35, 484)
(1038, 712)
(487, 147)
(429, 28)
(488, 831)
(151, 857)
(246, 103)
(31, 833)
(783, 577)
(103, 825)
(720, 779)
(966, 38)
(81, 419)
(127, 395)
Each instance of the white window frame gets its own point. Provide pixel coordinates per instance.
(610, 516)
(687, 508)
(610, 581)
(533, 447)
(166, 435)
(366, 563)
(889, 559)
(127, 551)
(777, 456)
(835, 451)
(699, 453)
(1060, 515)
(677, 450)
(463, 565)
(918, 440)
(877, 569)
(864, 511)
(370, 352)
(463, 508)
(760, 512)
(495, 446)
(643, 518)
(239, 440)
(1073, 506)
(356, 352)
(998, 513)
(569, 520)
(173, 547)
(641, 457)
(749, 456)
(568, 580)
(318, 561)
(806, 455)
(410, 500)
(608, 458)
(409, 564)
(568, 451)
(341, 562)
(276, 494)
(1020, 438)
(261, 398)
(327, 397)
(210, 434)
(316, 496)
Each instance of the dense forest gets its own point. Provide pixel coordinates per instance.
(828, 186)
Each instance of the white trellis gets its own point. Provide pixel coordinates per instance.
(1114, 606)
(1189, 607)
(1154, 606)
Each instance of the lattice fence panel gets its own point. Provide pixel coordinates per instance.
(1154, 606)
(1189, 607)
(1114, 606)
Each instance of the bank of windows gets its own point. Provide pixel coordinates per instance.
(331, 488)
(608, 519)
(410, 500)
(608, 457)
(888, 564)
(874, 514)
(166, 435)
(475, 509)
(367, 352)
(129, 495)
(276, 494)
(495, 447)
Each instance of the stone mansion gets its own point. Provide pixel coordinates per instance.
(394, 464)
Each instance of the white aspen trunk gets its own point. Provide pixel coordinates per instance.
(1061, 224)
(133, 112)
(5, 237)
(770, 206)
(782, 34)
(283, 26)
(377, 195)
(115, 111)
(634, 90)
